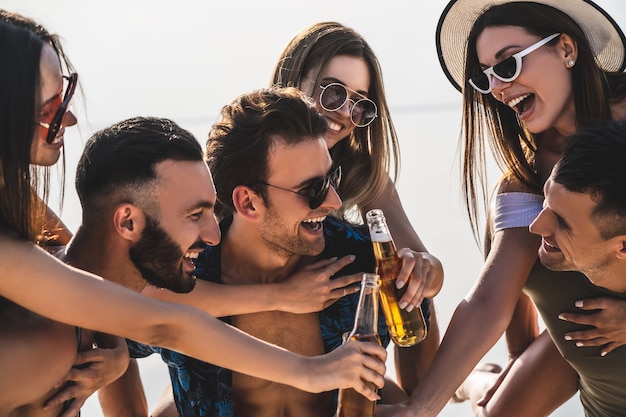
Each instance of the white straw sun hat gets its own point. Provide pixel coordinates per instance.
(605, 37)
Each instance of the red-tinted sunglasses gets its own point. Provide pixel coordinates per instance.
(55, 124)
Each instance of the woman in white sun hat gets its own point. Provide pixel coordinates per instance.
(531, 74)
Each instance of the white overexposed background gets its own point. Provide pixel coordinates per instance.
(185, 59)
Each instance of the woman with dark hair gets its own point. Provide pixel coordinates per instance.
(35, 58)
(531, 74)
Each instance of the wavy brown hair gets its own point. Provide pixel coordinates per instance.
(370, 155)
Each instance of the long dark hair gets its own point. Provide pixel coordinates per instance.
(514, 146)
(21, 43)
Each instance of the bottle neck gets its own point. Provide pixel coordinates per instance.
(366, 321)
(379, 233)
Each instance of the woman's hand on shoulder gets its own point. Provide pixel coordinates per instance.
(312, 288)
(606, 315)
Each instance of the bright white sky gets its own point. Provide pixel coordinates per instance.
(186, 61)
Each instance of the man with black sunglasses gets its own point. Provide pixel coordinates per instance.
(275, 182)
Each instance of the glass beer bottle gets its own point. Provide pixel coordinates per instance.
(406, 328)
(351, 403)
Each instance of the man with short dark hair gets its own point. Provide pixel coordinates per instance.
(276, 183)
(583, 229)
(145, 224)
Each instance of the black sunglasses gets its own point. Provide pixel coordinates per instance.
(362, 111)
(317, 190)
(55, 124)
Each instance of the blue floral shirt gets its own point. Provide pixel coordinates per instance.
(204, 390)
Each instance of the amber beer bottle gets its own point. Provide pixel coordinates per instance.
(406, 328)
(351, 403)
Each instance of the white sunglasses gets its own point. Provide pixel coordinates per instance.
(507, 70)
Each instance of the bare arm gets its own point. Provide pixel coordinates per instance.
(308, 290)
(36, 280)
(524, 326)
(126, 396)
(479, 320)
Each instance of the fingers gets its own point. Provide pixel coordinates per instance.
(584, 335)
(373, 370)
(609, 348)
(89, 376)
(585, 319)
(367, 390)
(416, 270)
(408, 263)
(376, 355)
(89, 356)
(345, 285)
(354, 365)
(594, 303)
(333, 265)
(416, 287)
(599, 341)
(74, 408)
(68, 392)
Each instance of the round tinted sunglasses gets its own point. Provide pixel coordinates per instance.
(317, 190)
(507, 70)
(55, 124)
(362, 111)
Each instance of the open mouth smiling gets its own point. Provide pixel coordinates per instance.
(520, 104)
(191, 257)
(314, 224)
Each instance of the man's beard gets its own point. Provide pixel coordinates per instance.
(159, 259)
(278, 236)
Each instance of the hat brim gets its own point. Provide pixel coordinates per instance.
(605, 36)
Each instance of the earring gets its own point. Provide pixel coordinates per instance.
(571, 63)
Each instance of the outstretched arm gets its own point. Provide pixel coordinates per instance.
(310, 289)
(36, 280)
(524, 326)
(478, 322)
(125, 396)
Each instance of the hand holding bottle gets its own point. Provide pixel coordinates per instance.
(419, 275)
(355, 364)
(351, 403)
(406, 327)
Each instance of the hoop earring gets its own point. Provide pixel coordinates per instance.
(571, 63)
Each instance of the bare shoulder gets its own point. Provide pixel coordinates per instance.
(510, 184)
